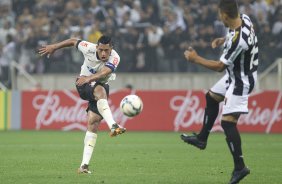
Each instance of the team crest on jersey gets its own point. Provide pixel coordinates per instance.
(83, 44)
(235, 36)
(115, 61)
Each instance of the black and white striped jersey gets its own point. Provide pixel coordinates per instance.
(240, 54)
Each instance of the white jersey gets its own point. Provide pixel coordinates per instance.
(92, 64)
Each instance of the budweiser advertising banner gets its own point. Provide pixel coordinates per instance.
(163, 111)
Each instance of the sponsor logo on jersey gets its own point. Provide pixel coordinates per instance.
(91, 70)
(83, 44)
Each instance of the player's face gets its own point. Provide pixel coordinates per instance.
(104, 51)
(223, 17)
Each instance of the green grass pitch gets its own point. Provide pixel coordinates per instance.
(35, 157)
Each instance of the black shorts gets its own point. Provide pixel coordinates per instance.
(86, 93)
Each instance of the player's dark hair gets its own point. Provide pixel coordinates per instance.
(105, 40)
(230, 7)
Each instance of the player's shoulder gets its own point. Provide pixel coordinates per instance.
(246, 20)
(245, 17)
(114, 58)
(247, 30)
(115, 54)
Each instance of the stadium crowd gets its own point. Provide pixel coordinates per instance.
(150, 35)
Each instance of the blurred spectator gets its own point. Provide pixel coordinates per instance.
(172, 21)
(1, 72)
(97, 11)
(260, 9)
(129, 49)
(128, 87)
(154, 35)
(268, 44)
(277, 25)
(6, 13)
(26, 17)
(179, 45)
(6, 58)
(136, 11)
(7, 29)
(94, 33)
(167, 49)
(121, 9)
(151, 13)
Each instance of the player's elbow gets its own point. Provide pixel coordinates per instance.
(104, 72)
(73, 41)
(220, 67)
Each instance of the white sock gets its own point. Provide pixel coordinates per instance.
(105, 111)
(89, 144)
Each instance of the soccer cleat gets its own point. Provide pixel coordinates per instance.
(239, 175)
(193, 140)
(83, 169)
(116, 130)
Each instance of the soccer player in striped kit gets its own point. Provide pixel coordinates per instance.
(240, 61)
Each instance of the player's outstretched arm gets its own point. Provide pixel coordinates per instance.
(217, 42)
(50, 49)
(191, 55)
(94, 77)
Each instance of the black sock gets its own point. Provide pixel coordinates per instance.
(211, 112)
(233, 140)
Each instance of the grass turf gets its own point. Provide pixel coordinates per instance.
(32, 157)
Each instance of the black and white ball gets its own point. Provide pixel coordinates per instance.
(131, 105)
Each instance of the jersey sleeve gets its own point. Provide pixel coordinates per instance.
(113, 61)
(83, 46)
(232, 49)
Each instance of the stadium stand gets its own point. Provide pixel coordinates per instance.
(150, 35)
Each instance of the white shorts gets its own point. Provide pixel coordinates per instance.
(232, 103)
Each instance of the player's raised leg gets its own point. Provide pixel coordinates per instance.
(211, 112)
(89, 141)
(105, 111)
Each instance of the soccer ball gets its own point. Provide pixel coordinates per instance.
(131, 105)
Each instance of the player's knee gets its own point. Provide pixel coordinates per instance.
(93, 121)
(211, 102)
(93, 126)
(100, 93)
(231, 118)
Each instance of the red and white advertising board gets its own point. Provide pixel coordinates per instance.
(163, 111)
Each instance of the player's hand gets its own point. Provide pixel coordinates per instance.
(83, 80)
(46, 50)
(217, 42)
(190, 54)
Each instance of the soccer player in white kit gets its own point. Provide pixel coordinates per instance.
(100, 61)
(240, 61)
